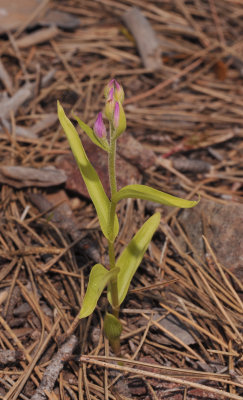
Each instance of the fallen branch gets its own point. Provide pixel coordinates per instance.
(51, 374)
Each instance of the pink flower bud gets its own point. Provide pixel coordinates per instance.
(99, 126)
(108, 88)
(111, 83)
(110, 96)
(110, 105)
(119, 119)
(116, 115)
(118, 92)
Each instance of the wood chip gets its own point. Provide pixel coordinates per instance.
(145, 37)
(20, 177)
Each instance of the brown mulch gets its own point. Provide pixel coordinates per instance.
(182, 336)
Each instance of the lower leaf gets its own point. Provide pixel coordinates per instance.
(98, 279)
(132, 255)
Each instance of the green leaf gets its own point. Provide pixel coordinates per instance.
(103, 144)
(148, 193)
(90, 176)
(132, 255)
(98, 279)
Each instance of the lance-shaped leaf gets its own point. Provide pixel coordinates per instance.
(90, 176)
(132, 255)
(98, 279)
(148, 193)
(102, 143)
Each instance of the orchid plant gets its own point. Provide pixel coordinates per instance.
(120, 271)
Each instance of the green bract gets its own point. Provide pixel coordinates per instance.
(98, 279)
(148, 193)
(90, 176)
(112, 327)
(132, 255)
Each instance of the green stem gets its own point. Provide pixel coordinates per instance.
(113, 189)
(113, 283)
(112, 165)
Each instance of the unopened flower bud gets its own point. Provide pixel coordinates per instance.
(119, 119)
(108, 87)
(119, 92)
(99, 126)
(110, 105)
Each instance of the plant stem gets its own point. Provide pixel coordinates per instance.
(112, 165)
(113, 282)
(113, 188)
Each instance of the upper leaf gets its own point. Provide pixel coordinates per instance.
(102, 143)
(132, 255)
(90, 176)
(148, 193)
(98, 279)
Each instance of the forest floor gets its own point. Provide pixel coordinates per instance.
(182, 318)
